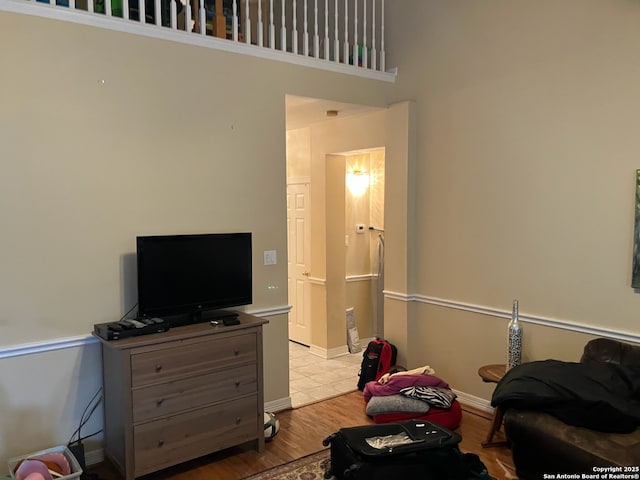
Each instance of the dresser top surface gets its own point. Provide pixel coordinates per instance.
(203, 329)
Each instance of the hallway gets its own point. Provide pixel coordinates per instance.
(312, 378)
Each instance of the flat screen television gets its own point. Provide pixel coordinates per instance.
(193, 277)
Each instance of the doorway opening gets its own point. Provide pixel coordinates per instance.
(327, 277)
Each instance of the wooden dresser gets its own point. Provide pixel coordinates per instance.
(174, 396)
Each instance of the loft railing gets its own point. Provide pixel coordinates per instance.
(342, 32)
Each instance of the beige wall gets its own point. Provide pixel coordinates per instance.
(104, 136)
(357, 208)
(336, 252)
(377, 188)
(399, 226)
(527, 146)
(299, 153)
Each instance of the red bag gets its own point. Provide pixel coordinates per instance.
(377, 360)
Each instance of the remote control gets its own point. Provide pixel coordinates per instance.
(126, 324)
(136, 323)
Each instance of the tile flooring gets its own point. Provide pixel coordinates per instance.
(312, 378)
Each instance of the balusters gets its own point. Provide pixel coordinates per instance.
(272, 27)
(234, 22)
(283, 30)
(316, 38)
(305, 41)
(260, 24)
(382, 54)
(203, 19)
(364, 33)
(374, 53)
(174, 15)
(346, 33)
(187, 15)
(336, 40)
(353, 33)
(247, 23)
(158, 12)
(294, 31)
(326, 29)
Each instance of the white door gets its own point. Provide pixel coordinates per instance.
(298, 258)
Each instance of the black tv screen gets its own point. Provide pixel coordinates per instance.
(190, 274)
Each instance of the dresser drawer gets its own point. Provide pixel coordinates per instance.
(162, 443)
(182, 360)
(188, 393)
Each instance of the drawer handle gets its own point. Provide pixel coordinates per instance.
(238, 420)
(237, 383)
(159, 402)
(236, 352)
(160, 443)
(158, 368)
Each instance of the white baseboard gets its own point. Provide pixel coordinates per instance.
(278, 405)
(94, 457)
(330, 353)
(473, 401)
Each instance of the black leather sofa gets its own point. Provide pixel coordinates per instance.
(542, 444)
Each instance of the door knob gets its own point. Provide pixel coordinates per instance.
(306, 274)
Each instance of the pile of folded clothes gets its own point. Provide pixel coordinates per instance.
(412, 395)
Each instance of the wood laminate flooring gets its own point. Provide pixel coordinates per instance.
(301, 433)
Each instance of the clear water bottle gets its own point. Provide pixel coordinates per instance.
(515, 339)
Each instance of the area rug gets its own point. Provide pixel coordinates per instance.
(311, 467)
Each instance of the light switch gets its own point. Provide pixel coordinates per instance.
(270, 257)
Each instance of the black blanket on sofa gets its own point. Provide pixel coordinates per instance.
(597, 395)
